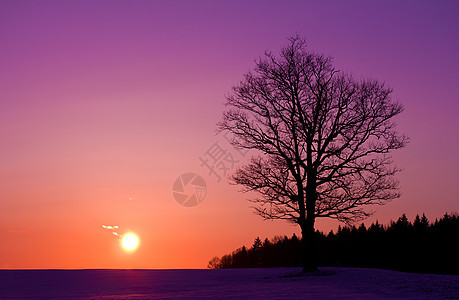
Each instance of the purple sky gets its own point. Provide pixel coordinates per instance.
(103, 100)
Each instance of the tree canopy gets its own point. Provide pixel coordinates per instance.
(324, 139)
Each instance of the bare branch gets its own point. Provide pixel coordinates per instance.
(325, 138)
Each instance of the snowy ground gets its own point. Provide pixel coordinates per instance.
(340, 283)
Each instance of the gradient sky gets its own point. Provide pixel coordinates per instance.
(103, 104)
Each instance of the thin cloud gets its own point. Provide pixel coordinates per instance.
(113, 229)
(110, 227)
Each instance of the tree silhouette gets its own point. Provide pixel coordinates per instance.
(257, 243)
(433, 249)
(266, 243)
(324, 140)
(214, 263)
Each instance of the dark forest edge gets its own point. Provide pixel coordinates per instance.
(420, 247)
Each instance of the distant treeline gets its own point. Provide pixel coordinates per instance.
(419, 246)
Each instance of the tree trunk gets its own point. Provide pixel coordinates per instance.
(308, 245)
(307, 230)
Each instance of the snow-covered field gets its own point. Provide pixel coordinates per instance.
(335, 283)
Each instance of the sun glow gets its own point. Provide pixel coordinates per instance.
(130, 241)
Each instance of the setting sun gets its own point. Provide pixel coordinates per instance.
(130, 242)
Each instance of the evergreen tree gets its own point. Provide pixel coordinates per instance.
(266, 243)
(257, 243)
(418, 247)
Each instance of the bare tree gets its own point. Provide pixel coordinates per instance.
(324, 140)
(214, 263)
